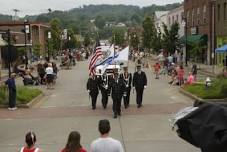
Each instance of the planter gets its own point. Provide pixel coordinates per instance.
(29, 104)
(198, 101)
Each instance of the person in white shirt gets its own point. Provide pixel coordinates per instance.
(49, 76)
(105, 143)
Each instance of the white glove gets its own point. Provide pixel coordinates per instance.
(145, 87)
(88, 91)
(133, 88)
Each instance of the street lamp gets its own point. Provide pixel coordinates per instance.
(184, 24)
(213, 3)
(49, 37)
(26, 31)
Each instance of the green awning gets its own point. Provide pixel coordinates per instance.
(194, 39)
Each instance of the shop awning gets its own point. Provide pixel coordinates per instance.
(222, 49)
(194, 39)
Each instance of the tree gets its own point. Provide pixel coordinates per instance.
(37, 49)
(100, 22)
(157, 41)
(134, 40)
(118, 36)
(171, 38)
(87, 40)
(55, 35)
(148, 32)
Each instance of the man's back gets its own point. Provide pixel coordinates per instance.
(106, 145)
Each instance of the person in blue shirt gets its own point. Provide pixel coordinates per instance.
(12, 91)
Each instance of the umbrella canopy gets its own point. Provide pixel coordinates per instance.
(205, 128)
(2, 42)
(222, 49)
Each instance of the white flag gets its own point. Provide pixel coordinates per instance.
(123, 55)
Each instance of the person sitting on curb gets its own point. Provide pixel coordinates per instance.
(190, 79)
(105, 143)
(30, 140)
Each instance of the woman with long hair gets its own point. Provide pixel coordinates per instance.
(73, 143)
(30, 140)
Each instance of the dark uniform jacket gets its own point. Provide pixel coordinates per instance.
(117, 88)
(92, 85)
(139, 80)
(127, 82)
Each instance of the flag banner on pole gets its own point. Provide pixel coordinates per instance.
(94, 58)
(122, 55)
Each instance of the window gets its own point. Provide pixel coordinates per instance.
(177, 18)
(225, 13)
(204, 9)
(204, 14)
(219, 11)
(198, 11)
(193, 15)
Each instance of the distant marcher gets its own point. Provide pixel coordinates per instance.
(73, 143)
(139, 83)
(12, 91)
(49, 76)
(30, 140)
(105, 143)
(93, 90)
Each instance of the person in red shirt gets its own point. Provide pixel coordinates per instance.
(157, 67)
(73, 143)
(30, 140)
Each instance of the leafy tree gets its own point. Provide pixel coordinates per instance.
(87, 40)
(118, 36)
(36, 49)
(171, 38)
(55, 35)
(134, 40)
(196, 53)
(157, 41)
(148, 32)
(100, 22)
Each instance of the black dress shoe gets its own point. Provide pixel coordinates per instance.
(119, 114)
(93, 108)
(139, 106)
(115, 116)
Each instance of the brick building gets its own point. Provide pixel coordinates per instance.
(200, 25)
(221, 27)
(36, 37)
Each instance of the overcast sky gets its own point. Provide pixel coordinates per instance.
(30, 7)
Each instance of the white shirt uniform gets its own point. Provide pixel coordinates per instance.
(106, 145)
(49, 70)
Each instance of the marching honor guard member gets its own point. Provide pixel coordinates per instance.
(139, 83)
(93, 90)
(117, 88)
(127, 78)
(103, 86)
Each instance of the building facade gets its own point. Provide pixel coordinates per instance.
(200, 18)
(175, 16)
(221, 27)
(37, 35)
(160, 18)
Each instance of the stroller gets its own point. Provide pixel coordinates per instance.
(204, 126)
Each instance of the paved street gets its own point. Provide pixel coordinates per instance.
(68, 108)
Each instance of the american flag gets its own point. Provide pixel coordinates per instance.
(94, 58)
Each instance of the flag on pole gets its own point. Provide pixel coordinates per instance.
(94, 58)
(123, 55)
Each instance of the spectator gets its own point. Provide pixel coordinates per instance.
(73, 143)
(194, 71)
(12, 91)
(157, 68)
(105, 143)
(30, 140)
(49, 76)
(190, 79)
(180, 74)
(225, 64)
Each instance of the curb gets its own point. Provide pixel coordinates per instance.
(190, 95)
(28, 105)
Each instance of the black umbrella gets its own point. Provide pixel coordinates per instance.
(205, 128)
